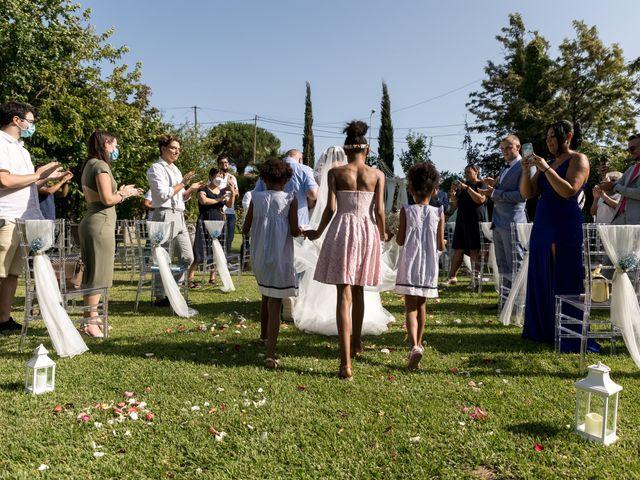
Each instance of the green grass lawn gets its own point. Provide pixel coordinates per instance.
(301, 421)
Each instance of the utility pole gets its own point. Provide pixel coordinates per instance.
(255, 137)
(195, 116)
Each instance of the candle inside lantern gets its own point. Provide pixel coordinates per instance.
(41, 381)
(593, 424)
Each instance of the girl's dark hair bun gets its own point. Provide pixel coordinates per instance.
(356, 129)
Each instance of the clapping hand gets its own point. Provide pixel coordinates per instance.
(186, 179)
(196, 186)
(489, 181)
(130, 191)
(597, 191)
(46, 171)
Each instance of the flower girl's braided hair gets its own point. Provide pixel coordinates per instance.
(356, 136)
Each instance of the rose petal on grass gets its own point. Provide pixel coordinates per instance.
(58, 409)
(149, 416)
(301, 387)
(219, 389)
(195, 408)
(414, 439)
(133, 415)
(259, 403)
(43, 467)
(538, 447)
(128, 394)
(457, 321)
(453, 370)
(264, 436)
(385, 351)
(149, 354)
(98, 454)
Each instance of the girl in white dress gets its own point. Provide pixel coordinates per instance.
(421, 232)
(272, 222)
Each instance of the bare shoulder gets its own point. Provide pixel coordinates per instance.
(580, 159)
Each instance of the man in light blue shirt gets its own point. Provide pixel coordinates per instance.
(302, 185)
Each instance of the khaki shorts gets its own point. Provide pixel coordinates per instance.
(11, 262)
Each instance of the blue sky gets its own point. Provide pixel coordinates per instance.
(237, 59)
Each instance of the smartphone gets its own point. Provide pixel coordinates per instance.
(527, 150)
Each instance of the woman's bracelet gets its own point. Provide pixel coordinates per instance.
(545, 171)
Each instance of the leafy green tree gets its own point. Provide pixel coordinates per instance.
(385, 137)
(51, 58)
(589, 82)
(308, 154)
(597, 87)
(236, 141)
(516, 96)
(418, 150)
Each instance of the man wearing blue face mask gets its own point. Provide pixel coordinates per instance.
(19, 183)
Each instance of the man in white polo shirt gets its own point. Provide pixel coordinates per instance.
(169, 190)
(18, 198)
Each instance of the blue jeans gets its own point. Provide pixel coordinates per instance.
(231, 230)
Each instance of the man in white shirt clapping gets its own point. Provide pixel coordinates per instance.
(169, 190)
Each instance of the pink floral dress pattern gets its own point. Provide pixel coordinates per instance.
(350, 251)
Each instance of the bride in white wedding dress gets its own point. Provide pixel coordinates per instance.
(315, 308)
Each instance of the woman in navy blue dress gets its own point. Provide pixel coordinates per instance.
(555, 246)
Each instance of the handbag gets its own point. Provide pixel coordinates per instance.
(73, 273)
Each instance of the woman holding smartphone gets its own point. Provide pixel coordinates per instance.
(471, 211)
(555, 246)
(211, 202)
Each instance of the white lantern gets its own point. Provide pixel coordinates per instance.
(597, 406)
(40, 372)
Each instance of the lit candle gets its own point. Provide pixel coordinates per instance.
(593, 424)
(41, 381)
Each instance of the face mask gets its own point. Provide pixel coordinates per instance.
(114, 154)
(27, 132)
(217, 181)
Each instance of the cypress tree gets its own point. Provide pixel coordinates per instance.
(385, 137)
(308, 154)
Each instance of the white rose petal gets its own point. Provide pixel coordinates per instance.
(457, 320)
(260, 390)
(206, 404)
(142, 404)
(97, 424)
(462, 424)
(133, 415)
(220, 389)
(260, 403)
(385, 350)
(98, 454)
(250, 427)
(264, 436)
(220, 436)
(498, 371)
(414, 439)
(150, 354)
(127, 433)
(195, 408)
(43, 467)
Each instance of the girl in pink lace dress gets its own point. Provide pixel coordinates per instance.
(350, 254)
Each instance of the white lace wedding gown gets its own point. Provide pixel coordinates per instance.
(315, 308)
